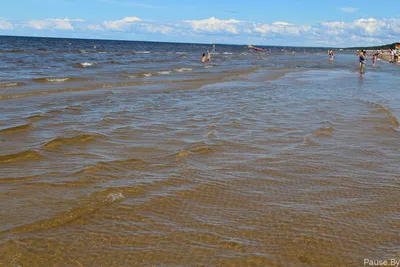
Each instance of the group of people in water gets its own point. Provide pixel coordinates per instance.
(362, 57)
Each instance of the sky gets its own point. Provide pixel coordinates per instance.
(314, 23)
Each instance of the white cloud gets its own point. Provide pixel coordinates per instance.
(121, 25)
(158, 29)
(94, 27)
(349, 9)
(360, 32)
(5, 24)
(281, 28)
(55, 24)
(215, 25)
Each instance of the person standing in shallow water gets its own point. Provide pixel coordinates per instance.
(330, 54)
(362, 60)
(374, 58)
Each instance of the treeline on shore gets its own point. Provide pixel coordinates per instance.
(384, 47)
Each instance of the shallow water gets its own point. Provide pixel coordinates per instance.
(258, 159)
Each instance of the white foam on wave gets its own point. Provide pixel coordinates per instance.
(142, 52)
(165, 72)
(9, 85)
(57, 80)
(184, 69)
(86, 64)
(112, 197)
(227, 53)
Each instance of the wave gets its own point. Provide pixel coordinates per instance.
(164, 72)
(89, 206)
(113, 166)
(13, 51)
(113, 62)
(22, 127)
(12, 84)
(24, 155)
(59, 79)
(146, 74)
(84, 65)
(142, 52)
(60, 141)
(36, 117)
(51, 80)
(183, 69)
(197, 149)
(389, 114)
(323, 131)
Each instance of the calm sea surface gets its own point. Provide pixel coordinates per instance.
(137, 154)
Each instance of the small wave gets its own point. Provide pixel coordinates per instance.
(17, 128)
(89, 206)
(84, 65)
(13, 51)
(166, 72)
(323, 131)
(389, 114)
(209, 66)
(145, 74)
(113, 166)
(228, 53)
(52, 80)
(82, 51)
(59, 141)
(129, 76)
(113, 197)
(142, 52)
(36, 117)
(183, 69)
(113, 62)
(24, 155)
(197, 149)
(15, 84)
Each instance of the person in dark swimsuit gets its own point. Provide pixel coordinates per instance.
(362, 61)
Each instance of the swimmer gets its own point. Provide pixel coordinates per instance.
(204, 58)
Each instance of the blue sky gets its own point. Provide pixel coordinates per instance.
(308, 23)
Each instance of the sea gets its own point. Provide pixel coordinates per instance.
(120, 153)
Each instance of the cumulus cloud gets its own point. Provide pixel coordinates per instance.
(281, 28)
(158, 29)
(121, 25)
(363, 31)
(215, 25)
(5, 24)
(55, 24)
(349, 9)
(94, 27)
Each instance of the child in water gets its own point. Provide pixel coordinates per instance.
(374, 58)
